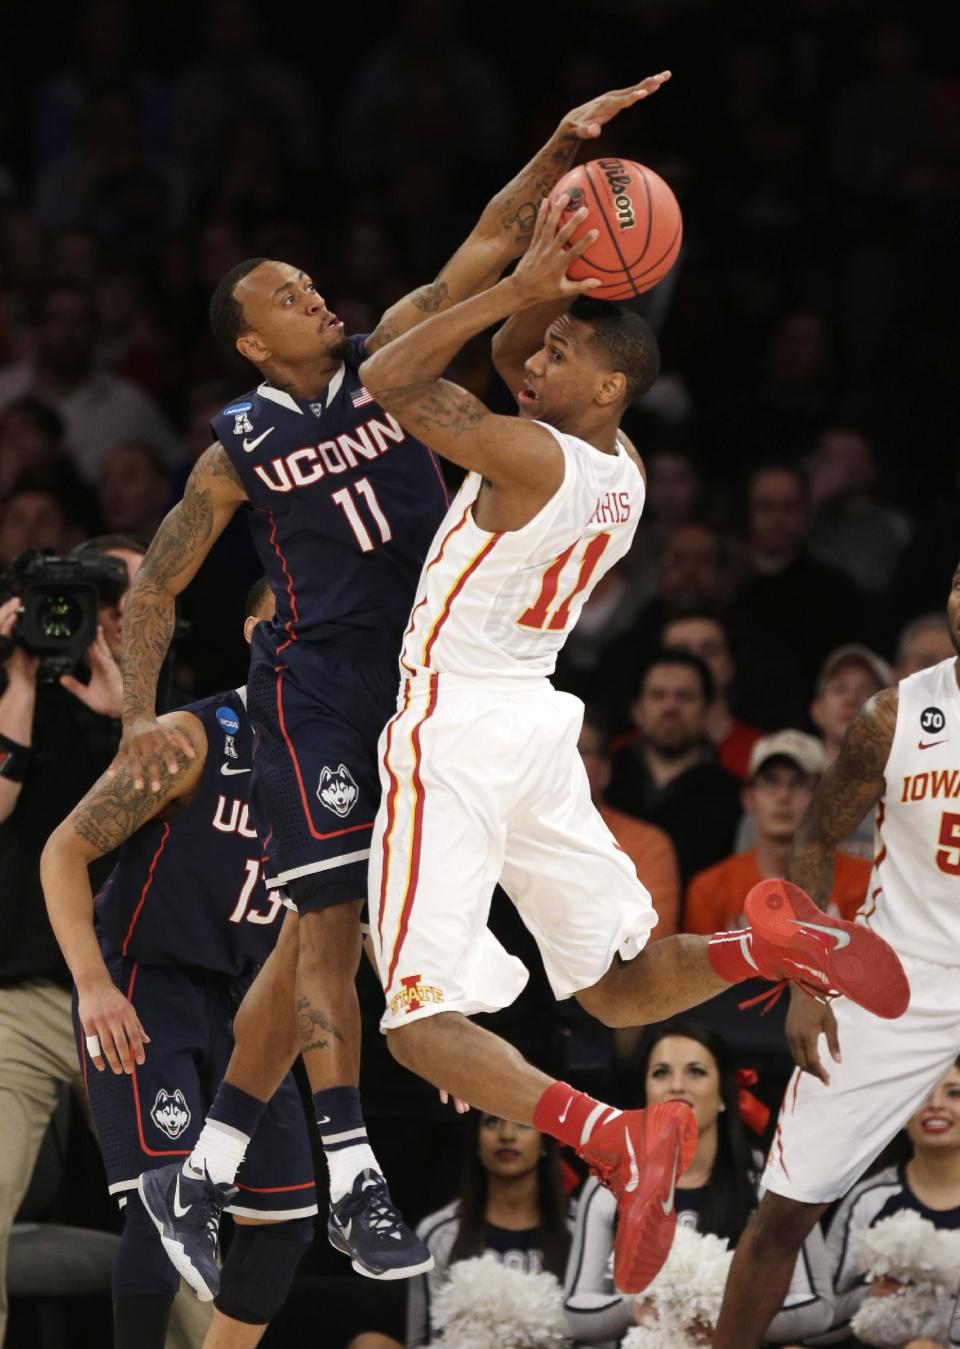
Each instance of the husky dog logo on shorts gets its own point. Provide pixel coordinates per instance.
(337, 790)
(170, 1112)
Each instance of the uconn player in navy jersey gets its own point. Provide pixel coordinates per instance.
(161, 964)
(343, 504)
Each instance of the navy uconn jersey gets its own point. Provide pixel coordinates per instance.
(345, 507)
(187, 891)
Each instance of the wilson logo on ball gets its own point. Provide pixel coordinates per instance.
(618, 180)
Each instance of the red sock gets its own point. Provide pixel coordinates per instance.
(730, 955)
(569, 1115)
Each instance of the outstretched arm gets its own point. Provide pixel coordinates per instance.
(112, 810)
(212, 494)
(506, 226)
(406, 377)
(852, 785)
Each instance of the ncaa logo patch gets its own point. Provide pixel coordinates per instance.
(228, 720)
(170, 1112)
(337, 790)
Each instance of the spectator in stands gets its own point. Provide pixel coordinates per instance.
(681, 1061)
(791, 610)
(924, 641)
(648, 848)
(134, 488)
(31, 441)
(783, 772)
(705, 636)
(693, 574)
(925, 1178)
(667, 774)
(848, 677)
(36, 515)
(852, 529)
(511, 1202)
(98, 408)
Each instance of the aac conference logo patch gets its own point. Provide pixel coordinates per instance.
(170, 1112)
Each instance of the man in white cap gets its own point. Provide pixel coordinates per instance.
(783, 771)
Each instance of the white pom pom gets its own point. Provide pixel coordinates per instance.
(485, 1305)
(689, 1288)
(913, 1313)
(911, 1250)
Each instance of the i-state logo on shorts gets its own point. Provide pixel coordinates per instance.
(413, 995)
(170, 1112)
(337, 790)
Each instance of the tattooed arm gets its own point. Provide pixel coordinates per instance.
(853, 784)
(212, 494)
(406, 377)
(112, 810)
(505, 228)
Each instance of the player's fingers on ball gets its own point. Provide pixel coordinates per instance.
(583, 244)
(569, 226)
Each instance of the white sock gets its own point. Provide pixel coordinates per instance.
(219, 1151)
(345, 1164)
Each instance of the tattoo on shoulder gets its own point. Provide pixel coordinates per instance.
(217, 463)
(113, 810)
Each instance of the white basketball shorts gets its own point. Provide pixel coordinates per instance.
(482, 782)
(827, 1136)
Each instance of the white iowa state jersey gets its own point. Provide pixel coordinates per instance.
(914, 896)
(503, 604)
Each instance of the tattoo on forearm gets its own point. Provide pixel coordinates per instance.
(113, 809)
(430, 298)
(149, 616)
(430, 404)
(310, 1022)
(518, 203)
(851, 786)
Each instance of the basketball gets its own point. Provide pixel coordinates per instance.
(639, 223)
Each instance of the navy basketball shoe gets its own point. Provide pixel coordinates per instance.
(186, 1212)
(366, 1226)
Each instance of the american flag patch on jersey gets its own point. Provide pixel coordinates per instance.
(360, 397)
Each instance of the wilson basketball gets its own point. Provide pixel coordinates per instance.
(639, 223)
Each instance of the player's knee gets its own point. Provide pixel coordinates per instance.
(781, 1224)
(603, 1004)
(141, 1267)
(259, 1269)
(330, 942)
(409, 1042)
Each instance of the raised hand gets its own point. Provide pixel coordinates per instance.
(542, 272)
(588, 121)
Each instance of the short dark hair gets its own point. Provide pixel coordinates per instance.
(626, 340)
(44, 417)
(686, 659)
(226, 312)
(255, 596)
(104, 542)
(695, 616)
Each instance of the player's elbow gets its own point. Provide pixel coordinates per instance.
(371, 374)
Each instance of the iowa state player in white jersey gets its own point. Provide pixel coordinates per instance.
(480, 773)
(902, 757)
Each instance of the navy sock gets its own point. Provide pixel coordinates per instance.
(343, 1135)
(237, 1108)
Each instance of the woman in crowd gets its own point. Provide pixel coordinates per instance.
(678, 1060)
(511, 1202)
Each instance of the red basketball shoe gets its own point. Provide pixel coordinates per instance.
(792, 939)
(639, 1155)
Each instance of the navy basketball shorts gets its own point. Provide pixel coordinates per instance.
(318, 714)
(154, 1116)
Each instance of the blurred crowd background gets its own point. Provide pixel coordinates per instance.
(802, 444)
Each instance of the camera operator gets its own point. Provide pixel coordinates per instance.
(56, 738)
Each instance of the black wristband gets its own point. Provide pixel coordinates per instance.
(14, 759)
